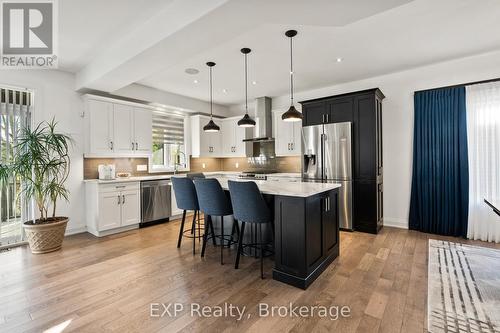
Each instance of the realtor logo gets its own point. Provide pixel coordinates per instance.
(28, 34)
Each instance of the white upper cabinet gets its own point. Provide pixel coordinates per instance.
(287, 136)
(232, 138)
(228, 142)
(143, 129)
(100, 127)
(117, 129)
(205, 144)
(123, 129)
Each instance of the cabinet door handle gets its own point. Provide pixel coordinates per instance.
(136, 146)
(123, 198)
(327, 118)
(289, 146)
(119, 199)
(133, 146)
(111, 146)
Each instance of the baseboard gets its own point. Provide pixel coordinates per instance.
(74, 231)
(395, 222)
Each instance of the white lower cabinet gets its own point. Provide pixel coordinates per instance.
(112, 208)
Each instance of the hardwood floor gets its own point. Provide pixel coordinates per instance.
(108, 284)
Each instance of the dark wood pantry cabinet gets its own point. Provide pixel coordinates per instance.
(364, 110)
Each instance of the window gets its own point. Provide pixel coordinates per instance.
(483, 136)
(168, 141)
(15, 114)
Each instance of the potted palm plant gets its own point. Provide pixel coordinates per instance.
(41, 162)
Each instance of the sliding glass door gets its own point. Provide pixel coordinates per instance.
(15, 114)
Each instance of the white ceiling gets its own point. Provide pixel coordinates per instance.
(111, 44)
(87, 27)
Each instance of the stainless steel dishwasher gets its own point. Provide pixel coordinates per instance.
(156, 201)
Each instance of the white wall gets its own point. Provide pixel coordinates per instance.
(398, 117)
(55, 97)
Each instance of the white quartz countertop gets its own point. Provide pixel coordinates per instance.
(208, 174)
(154, 177)
(290, 189)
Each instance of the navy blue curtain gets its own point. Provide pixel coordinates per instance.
(440, 183)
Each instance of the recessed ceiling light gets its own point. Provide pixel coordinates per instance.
(224, 91)
(339, 59)
(254, 82)
(191, 71)
(195, 81)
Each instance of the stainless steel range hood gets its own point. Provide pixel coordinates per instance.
(263, 130)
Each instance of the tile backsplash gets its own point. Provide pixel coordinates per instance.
(282, 164)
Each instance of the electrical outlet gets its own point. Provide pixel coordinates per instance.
(203, 165)
(142, 167)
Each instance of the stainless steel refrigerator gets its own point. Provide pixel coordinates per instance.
(327, 157)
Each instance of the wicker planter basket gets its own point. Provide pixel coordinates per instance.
(47, 237)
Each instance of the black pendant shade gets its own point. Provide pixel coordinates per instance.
(246, 121)
(292, 114)
(211, 126)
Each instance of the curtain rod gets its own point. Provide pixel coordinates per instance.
(461, 85)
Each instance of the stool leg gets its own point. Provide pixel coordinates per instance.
(211, 225)
(182, 229)
(192, 224)
(240, 245)
(232, 234)
(236, 228)
(193, 229)
(199, 227)
(261, 253)
(222, 240)
(205, 236)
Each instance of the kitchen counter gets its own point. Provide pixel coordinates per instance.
(212, 173)
(285, 188)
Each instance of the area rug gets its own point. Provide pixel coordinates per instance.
(463, 288)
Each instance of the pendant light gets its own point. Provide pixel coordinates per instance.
(211, 126)
(246, 121)
(292, 114)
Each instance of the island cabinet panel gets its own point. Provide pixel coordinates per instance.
(306, 237)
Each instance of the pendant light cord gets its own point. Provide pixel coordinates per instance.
(211, 93)
(246, 85)
(291, 72)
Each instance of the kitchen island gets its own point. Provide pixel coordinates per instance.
(306, 228)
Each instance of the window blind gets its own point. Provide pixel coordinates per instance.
(168, 128)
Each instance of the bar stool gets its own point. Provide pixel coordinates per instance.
(186, 198)
(214, 202)
(197, 224)
(249, 206)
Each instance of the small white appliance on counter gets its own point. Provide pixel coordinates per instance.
(106, 171)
